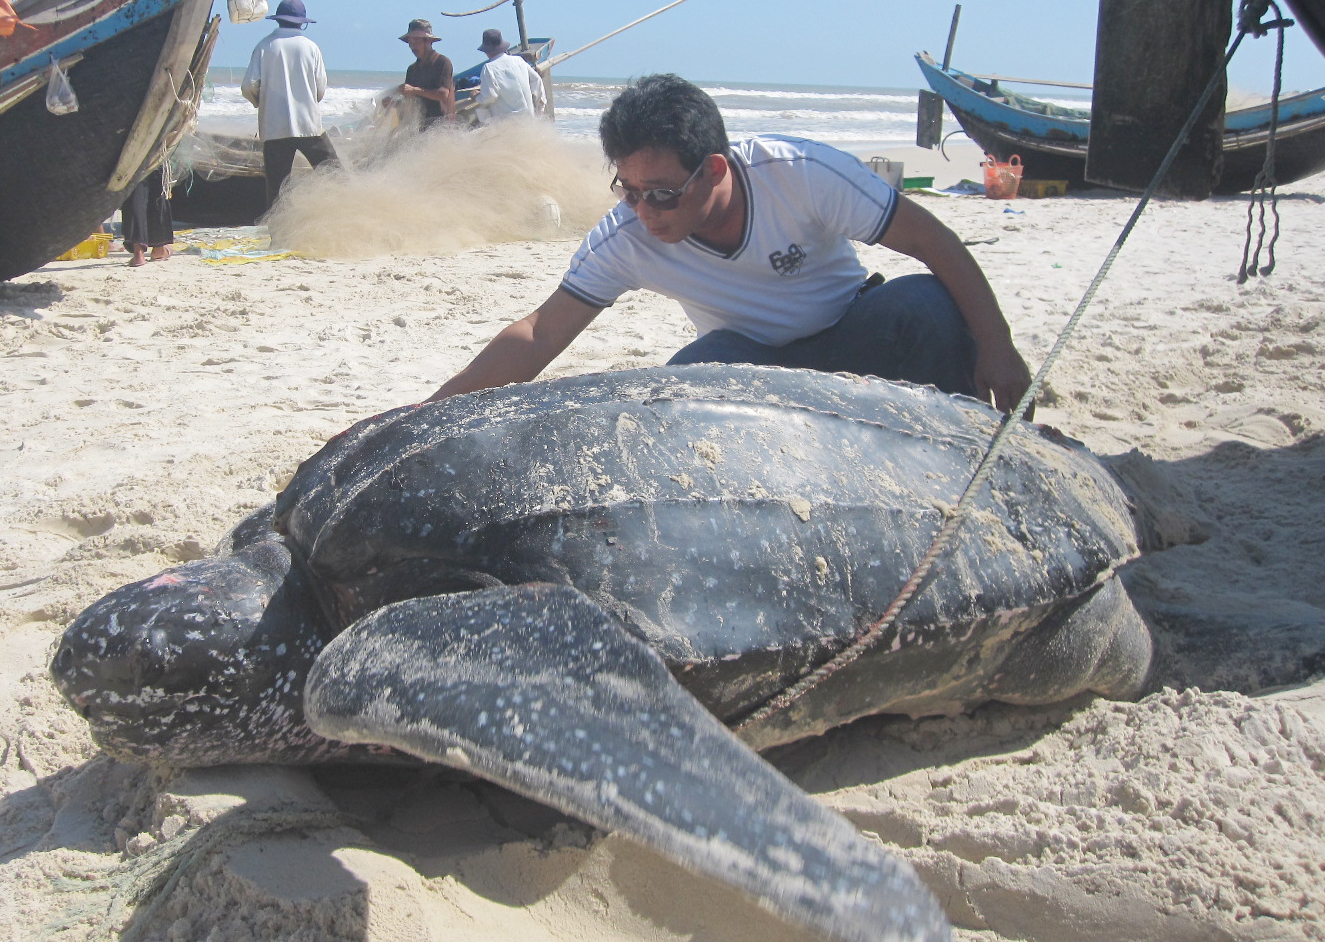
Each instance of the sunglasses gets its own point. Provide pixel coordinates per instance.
(661, 197)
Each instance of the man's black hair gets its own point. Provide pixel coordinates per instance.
(665, 112)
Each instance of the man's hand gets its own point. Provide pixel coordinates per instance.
(522, 349)
(1000, 371)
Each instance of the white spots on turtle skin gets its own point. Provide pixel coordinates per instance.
(557, 497)
(709, 452)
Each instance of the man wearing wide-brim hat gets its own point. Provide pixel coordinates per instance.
(510, 87)
(430, 78)
(286, 79)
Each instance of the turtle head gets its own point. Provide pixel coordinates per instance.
(186, 666)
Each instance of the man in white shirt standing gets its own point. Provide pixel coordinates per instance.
(285, 80)
(507, 88)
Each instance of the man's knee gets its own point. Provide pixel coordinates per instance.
(722, 346)
(318, 150)
(913, 330)
(912, 301)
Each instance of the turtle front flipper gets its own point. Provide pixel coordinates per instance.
(541, 691)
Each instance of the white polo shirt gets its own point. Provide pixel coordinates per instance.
(795, 270)
(286, 79)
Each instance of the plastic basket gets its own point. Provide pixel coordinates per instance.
(1001, 179)
(1038, 189)
(97, 245)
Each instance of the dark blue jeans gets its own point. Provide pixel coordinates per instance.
(905, 329)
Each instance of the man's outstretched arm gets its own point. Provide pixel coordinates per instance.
(999, 368)
(523, 349)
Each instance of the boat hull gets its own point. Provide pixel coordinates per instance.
(1055, 149)
(55, 169)
(1296, 155)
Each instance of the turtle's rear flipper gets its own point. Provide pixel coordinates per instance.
(539, 690)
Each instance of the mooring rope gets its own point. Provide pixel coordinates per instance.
(874, 632)
(1249, 19)
(191, 104)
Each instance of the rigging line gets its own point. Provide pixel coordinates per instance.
(475, 12)
(874, 632)
(557, 60)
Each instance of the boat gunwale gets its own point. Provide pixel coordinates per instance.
(124, 15)
(1296, 112)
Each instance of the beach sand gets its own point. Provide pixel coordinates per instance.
(145, 411)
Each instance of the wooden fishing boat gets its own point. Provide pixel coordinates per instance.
(136, 68)
(1052, 140)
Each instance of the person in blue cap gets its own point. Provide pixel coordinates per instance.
(286, 79)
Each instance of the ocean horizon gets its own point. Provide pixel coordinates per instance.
(845, 116)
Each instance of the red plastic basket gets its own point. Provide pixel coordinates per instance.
(1001, 179)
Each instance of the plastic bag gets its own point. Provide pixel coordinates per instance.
(60, 97)
(247, 11)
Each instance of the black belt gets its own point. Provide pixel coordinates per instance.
(873, 281)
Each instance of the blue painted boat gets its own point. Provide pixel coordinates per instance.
(136, 68)
(1052, 140)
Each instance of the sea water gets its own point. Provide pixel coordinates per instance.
(846, 117)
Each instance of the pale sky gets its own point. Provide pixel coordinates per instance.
(867, 43)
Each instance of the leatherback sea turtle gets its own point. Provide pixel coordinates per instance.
(569, 587)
